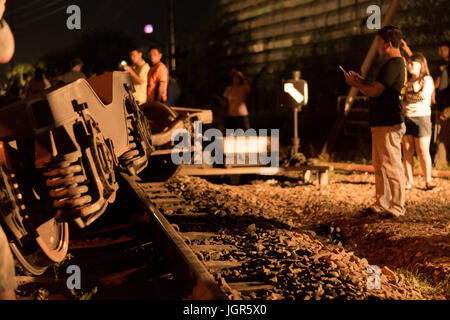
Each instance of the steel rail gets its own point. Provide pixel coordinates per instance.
(205, 287)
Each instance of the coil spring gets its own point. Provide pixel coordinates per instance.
(133, 152)
(66, 185)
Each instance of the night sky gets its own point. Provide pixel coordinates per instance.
(39, 26)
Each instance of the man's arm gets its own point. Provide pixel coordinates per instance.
(245, 82)
(371, 90)
(134, 76)
(150, 87)
(162, 92)
(437, 82)
(163, 81)
(406, 48)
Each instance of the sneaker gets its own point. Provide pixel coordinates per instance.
(409, 186)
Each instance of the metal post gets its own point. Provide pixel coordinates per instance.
(173, 65)
(296, 139)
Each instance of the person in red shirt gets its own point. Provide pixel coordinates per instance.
(158, 78)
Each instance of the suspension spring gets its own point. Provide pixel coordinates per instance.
(67, 186)
(128, 156)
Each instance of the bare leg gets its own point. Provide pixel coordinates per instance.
(408, 153)
(423, 151)
(8, 295)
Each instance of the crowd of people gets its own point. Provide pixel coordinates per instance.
(150, 81)
(400, 119)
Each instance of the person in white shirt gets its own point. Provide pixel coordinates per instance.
(417, 109)
(139, 73)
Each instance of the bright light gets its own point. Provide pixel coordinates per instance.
(305, 92)
(289, 88)
(244, 145)
(148, 29)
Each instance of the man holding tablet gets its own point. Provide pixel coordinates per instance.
(386, 123)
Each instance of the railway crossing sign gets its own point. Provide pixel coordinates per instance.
(295, 96)
(295, 93)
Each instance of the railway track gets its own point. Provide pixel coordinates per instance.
(197, 246)
(174, 241)
(154, 236)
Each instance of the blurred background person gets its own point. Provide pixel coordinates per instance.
(236, 102)
(173, 90)
(75, 72)
(158, 78)
(443, 103)
(417, 109)
(39, 83)
(139, 74)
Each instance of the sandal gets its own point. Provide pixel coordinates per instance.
(430, 185)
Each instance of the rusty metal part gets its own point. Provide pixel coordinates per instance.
(204, 285)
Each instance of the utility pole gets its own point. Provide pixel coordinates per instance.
(173, 62)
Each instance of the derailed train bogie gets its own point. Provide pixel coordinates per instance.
(165, 122)
(61, 151)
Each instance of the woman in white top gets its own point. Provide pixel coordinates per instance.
(417, 109)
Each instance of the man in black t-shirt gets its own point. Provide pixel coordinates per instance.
(386, 123)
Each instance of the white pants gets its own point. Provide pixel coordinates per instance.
(387, 161)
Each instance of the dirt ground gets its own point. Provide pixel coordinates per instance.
(416, 246)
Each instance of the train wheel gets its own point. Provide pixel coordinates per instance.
(36, 243)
